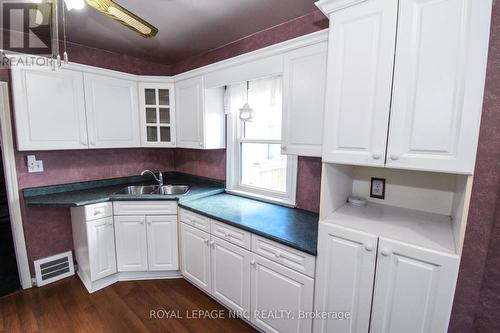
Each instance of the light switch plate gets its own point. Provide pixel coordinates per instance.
(377, 188)
(34, 165)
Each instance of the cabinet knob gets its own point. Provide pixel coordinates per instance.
(376, 156)
(252, 262)
(212, 243)
(92, 143)
(394, 157)
(206, 241)
(369, 247)
(277, 255)
(284, 148)
(84, 142)
(110, 224)
(385, 252)
(200, 144)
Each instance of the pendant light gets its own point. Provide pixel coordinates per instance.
(246, 112)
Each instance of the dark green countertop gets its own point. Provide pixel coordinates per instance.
(86, 193)
(293, 227)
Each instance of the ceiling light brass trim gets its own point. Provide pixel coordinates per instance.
(126, 18)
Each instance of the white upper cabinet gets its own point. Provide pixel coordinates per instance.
(438, 84)
(304, 79)
(49, 109)
(199, 115)
(156, 107)
(414, 289)
(358, 92)
(112, 117)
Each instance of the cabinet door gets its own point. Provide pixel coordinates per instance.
(359, 80)
(49, 109)
(414, 289)
(112, 112)
(304, 80)
(438, 84)
(230, 266)
(157, 114)
(162, 242)
(131, 246)
(344, 279)
(189, 113)
(195, 256)
(101, 240)
(277, 289)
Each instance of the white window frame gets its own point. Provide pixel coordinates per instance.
(235, 129)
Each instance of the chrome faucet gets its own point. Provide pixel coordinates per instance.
(159, 179)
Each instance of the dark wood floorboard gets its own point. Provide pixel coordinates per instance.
(66, 306)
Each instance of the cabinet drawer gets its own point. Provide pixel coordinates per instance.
(145, 207)
(195, 220)
(98, 211)
(231, 234)
(285, 255)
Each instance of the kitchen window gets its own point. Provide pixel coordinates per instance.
(255, 165)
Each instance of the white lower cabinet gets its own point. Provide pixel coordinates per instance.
(414, 289)
(263, 291)
(162, 243)
(280, 290)
(392, 287)
(146, 243)
(131, 243)
(195, 256)
(230, 266)
(101, 240)
(345, 275)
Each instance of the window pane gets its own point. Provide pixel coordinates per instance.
(164, 116)
(264, 97)
(152, 134)
(165, 134)
(163, 96)
(263, 166)
(150, 96)
(151, 115)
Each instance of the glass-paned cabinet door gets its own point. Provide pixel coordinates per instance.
(157, 114)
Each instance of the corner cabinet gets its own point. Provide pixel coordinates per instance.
(111, 107)
(200, 115)
(430, 81)
(49, 109)
(304, 79)
(157, 114)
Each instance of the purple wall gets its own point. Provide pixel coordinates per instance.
(205, 163)
(477, 299)
(300, 26)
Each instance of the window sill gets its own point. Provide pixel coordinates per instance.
(277, 201)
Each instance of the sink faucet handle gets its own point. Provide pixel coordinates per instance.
(160, 177)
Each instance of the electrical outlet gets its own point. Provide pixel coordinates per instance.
(377, 188)
(33, 164)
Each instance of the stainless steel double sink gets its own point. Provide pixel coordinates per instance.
(154, 189)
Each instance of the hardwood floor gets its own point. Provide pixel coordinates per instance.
(66, 306)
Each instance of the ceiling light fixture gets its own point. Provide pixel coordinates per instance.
(125, 17)
(74, 4)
